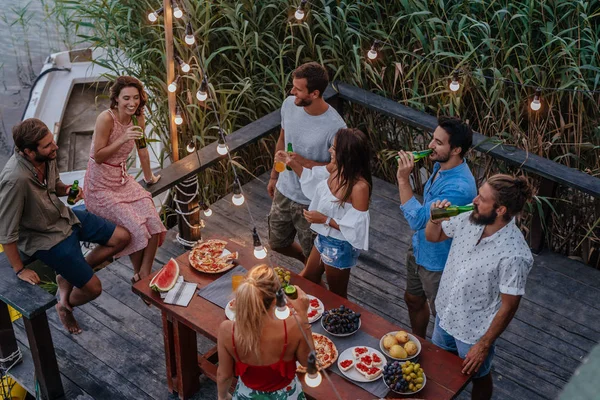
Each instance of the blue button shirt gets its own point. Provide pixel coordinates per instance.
(456, 185)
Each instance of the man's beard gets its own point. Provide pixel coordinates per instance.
(40, 158)
(304, 102)
(441, 159)
(479, 219)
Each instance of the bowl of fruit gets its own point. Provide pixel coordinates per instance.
(404, 377)
(340, 321)
(283, 275)
(400, 345)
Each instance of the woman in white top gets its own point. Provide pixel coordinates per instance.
(340, 192)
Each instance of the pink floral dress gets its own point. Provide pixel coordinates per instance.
(113, 194)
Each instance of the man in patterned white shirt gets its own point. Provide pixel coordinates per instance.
(484, 277)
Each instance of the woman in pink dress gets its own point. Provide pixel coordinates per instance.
(112, 193)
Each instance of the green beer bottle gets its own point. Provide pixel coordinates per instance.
(438, 213)
(141, 142)
(291, 292)
(419, 155)
(73, 192)
(289, 150)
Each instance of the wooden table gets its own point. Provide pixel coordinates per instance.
(184, 365)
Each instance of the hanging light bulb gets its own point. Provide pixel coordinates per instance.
(177, 13)
(191, 146)
(153, 16)
(189, 34)
(237, 198)
(185, 67)
(178, 117)
(206, 209)
(300, 14)
(259, 250)
(173, 85)
(372, 54)
(536, 104)
(202, 93)
(222, 146)
(313, 377)
(454, 85)
(282, 311)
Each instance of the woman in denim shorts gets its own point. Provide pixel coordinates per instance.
(339, 209)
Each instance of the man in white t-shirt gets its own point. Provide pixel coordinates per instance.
(484, 277)
(309, 125)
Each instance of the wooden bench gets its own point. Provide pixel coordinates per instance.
(32, 302)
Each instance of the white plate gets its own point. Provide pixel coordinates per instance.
(410, 337)
(342, 334)
(352, 373)
(229, 313)
(409, 393)
(320, 310)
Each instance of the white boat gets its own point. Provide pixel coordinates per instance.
(67, 96)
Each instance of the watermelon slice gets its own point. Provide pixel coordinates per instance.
(165, 279)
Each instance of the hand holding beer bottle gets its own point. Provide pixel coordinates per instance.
(141, 141)
(75, 193)
(442, 210)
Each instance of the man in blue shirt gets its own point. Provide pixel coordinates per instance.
(451, 180)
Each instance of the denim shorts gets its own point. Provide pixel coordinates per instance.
(447, 342)
(336, 253)
(66, 257)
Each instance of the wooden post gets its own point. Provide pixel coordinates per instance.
(44, 358)
(171, 97)
(188, 191)
(8, 342)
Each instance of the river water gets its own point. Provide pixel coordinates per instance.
(28, 34)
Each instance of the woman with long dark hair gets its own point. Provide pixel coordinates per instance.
(110, 191)
(339, 210)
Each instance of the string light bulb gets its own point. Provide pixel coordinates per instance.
(206, 209)
(191, 146)
(189, 34)
(237, 198)
(222, 146)
(153, 16)
(173, 85)
(282, 311)
(313, 377)
(454, 85)
(179, 118)
(202, 93)
(536, 104)
(185, 67)
(372, 54)
(177, 13)
(300, 13)
(259, 250)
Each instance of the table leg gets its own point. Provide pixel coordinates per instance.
(183, 372)
(8, 342)
(44, 358)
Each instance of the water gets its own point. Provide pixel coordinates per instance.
(28, 34)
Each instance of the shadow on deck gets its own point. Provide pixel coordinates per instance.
(120, 354)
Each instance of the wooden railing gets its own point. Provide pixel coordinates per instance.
(552, 173)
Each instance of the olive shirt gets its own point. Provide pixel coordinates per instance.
(31, 212)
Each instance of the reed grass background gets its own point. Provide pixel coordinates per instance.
(250, 48)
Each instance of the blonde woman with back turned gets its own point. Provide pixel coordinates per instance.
(258, 348)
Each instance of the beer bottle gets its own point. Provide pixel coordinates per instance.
(141, 142)
(291, 292)
(451, 211)
(73, 192)
(421, 154)
(289, 150)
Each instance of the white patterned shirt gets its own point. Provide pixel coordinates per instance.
(475, 275)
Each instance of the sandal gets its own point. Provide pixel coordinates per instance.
(134, 279)
(155, 178)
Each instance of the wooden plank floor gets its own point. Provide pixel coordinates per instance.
(120, 354)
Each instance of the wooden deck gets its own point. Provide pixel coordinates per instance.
(120, 354)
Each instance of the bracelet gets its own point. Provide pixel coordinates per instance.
(19, 271)
(435, 223)
(328, 221)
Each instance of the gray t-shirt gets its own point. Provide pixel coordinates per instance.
(311, 137)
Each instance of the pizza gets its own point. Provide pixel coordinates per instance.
(326, 351)
(207, 256)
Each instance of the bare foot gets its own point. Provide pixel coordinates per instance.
(64, 291)
(68, 320)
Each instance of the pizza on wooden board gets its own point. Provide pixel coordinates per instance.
(206, 257)
(326, 351)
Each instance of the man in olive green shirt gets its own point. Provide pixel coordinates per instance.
(34, 221)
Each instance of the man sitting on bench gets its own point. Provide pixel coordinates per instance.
(34, 221)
